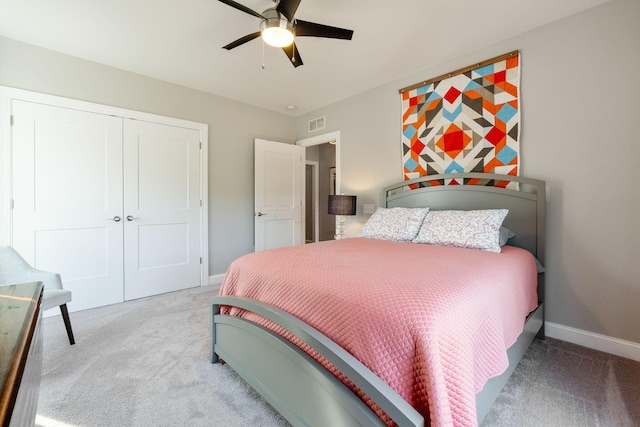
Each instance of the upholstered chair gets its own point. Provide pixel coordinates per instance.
(14, 270)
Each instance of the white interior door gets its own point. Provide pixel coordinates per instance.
(67, 198)
(279, 194)
(161, 208)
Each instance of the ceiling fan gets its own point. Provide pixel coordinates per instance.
(279, 28)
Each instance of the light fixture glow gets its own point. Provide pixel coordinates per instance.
(276, 36)
(276, 30)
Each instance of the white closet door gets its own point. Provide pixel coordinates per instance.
(67, 193)
(161, 208)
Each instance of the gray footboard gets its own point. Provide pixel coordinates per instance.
(303, 391)
(292, 382)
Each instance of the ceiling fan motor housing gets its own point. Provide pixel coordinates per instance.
(274, 19)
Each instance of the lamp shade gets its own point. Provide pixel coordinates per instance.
(342, 205)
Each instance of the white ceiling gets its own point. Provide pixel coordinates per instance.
(180, 41)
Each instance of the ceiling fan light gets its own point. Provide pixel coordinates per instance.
(277, 36)
(276, 30)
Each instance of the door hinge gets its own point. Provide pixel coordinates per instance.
(200, 202)
(11, 120)
(11, 204)
(201, 145)
(200, 260)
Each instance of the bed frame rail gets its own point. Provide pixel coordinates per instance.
(304, 393)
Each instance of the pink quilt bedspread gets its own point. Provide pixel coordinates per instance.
(433, 322)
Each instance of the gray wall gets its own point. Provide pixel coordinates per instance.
(580, 95)
(232, 128)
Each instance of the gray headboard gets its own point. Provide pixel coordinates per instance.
(524, 197)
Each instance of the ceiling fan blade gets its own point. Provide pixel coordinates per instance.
(245, 9)
(293, 54)
(311, 29)
(242, 40)
(288, 8)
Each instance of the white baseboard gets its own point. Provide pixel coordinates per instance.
(622, 348)
(216, 279)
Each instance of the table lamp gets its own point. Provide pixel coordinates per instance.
(341, 205)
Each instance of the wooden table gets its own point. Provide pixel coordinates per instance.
(20, 352)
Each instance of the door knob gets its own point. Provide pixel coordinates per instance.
(260, 214)
(131, 218)
(115, 218)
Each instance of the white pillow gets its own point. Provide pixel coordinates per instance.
(477, 229)
(397, 224)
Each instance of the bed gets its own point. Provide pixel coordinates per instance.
(311, 380)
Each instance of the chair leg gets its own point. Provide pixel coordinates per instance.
(67, 323)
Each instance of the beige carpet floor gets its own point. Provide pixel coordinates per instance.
(145, 363)
(559, 384)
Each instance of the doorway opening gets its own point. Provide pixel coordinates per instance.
(323, 170)
(311, 197)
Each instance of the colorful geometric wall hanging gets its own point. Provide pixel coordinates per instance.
(464, 121)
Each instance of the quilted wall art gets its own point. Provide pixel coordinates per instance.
(464, 121)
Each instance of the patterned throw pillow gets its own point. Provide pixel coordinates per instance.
(397, 224)
(477, 229)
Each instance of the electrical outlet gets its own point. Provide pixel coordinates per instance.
(369, 208)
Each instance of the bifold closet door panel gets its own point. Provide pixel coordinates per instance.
(67, 193)
(161, 208)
